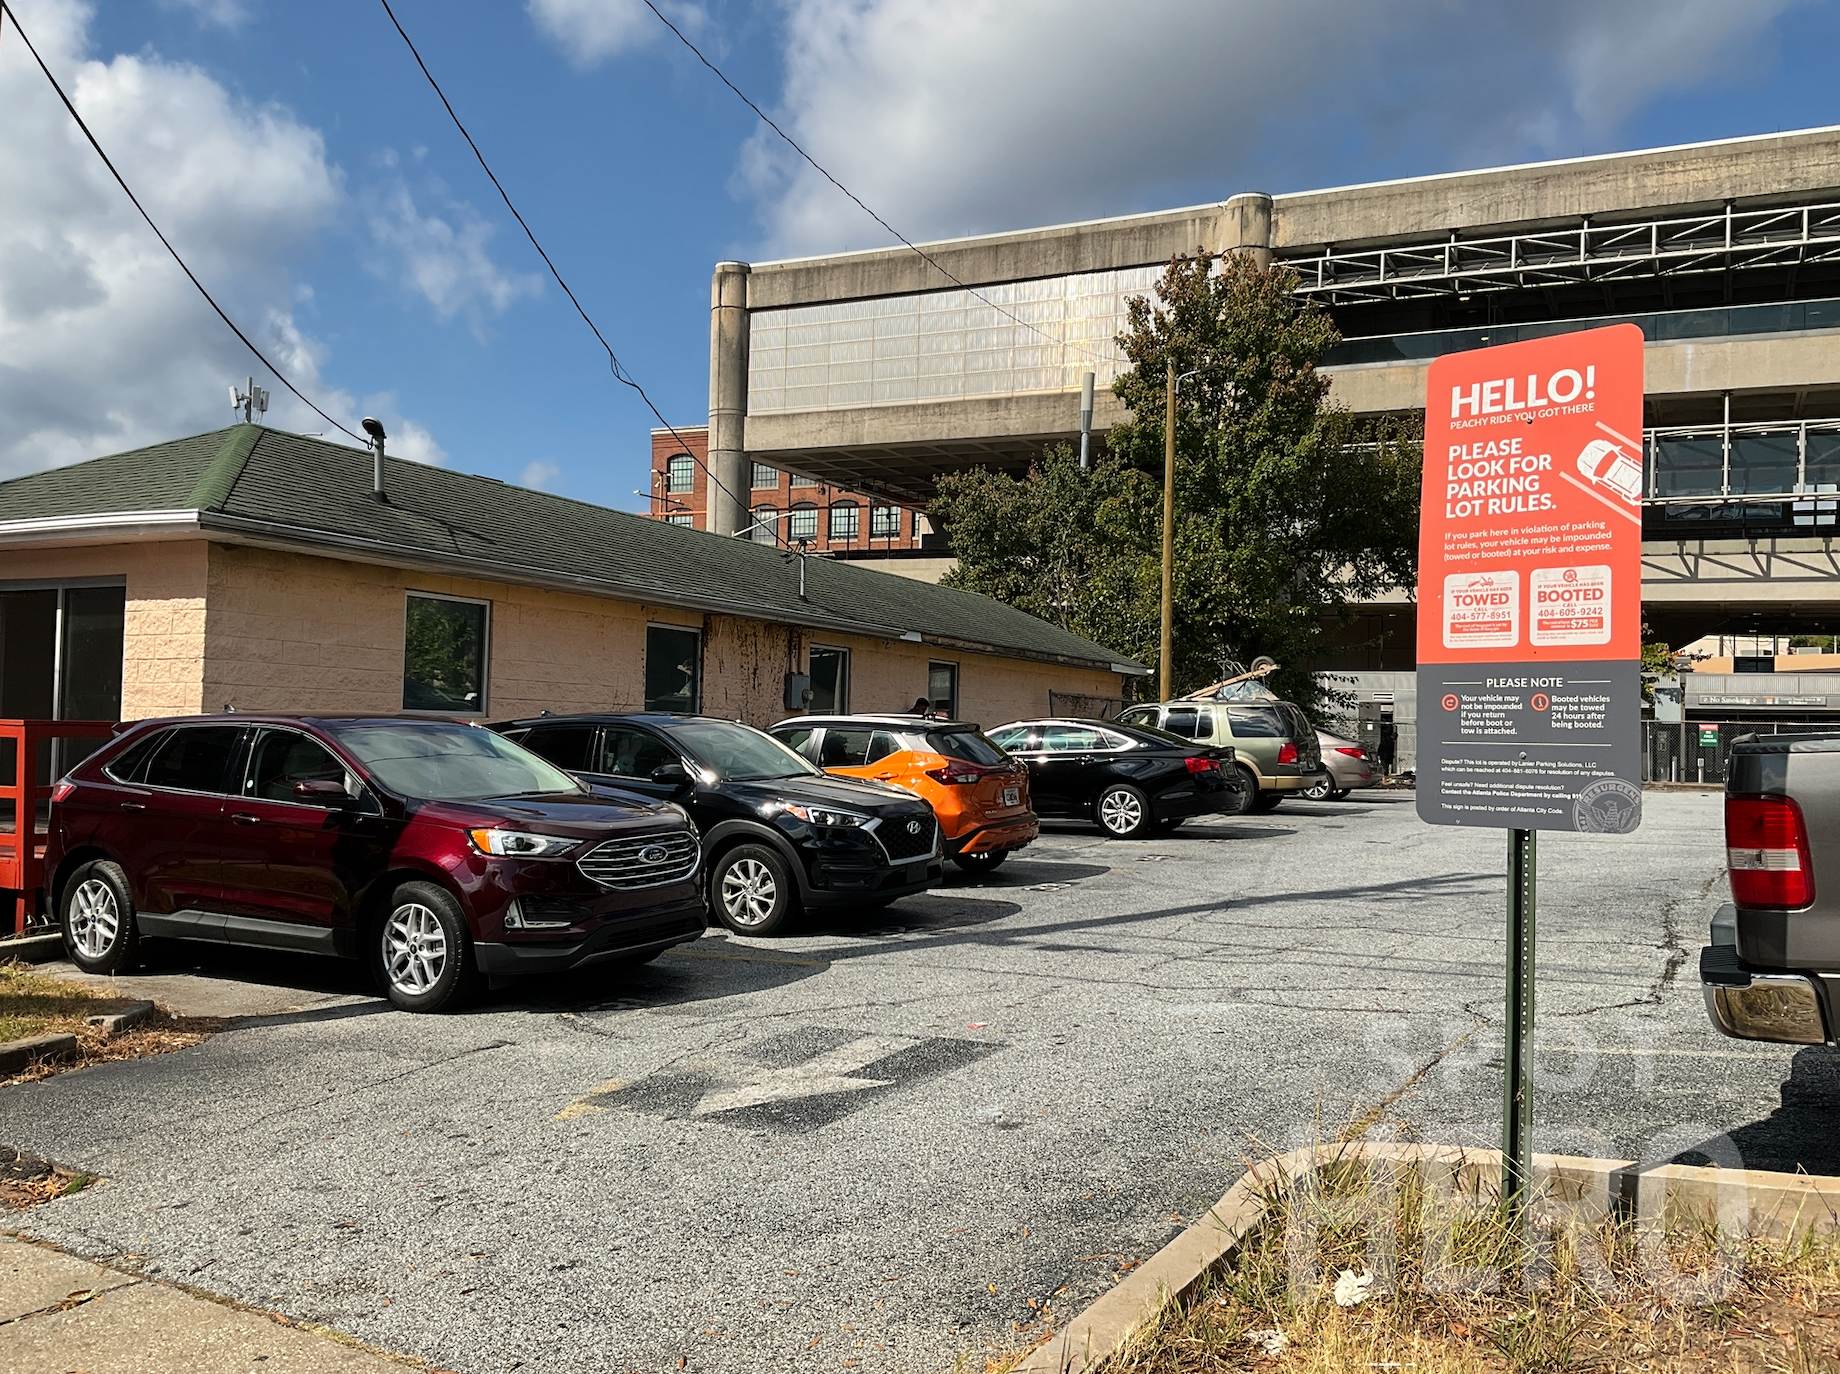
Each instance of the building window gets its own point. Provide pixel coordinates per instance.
(766, 521)
(942, 689)
(802, 523)
(844, 520)
(830, 681)
(683, 518)
(765, 478)
(885, 522)
(444, 654)
(673, 669)
(679, 473)
(799, 481)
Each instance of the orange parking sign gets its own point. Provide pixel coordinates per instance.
(1530, 584)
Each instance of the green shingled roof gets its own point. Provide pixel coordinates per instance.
(287, 487)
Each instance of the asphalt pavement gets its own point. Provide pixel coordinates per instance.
(891, 1142)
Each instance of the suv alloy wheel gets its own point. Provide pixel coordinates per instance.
(751, 890)
(422, 955)
(98, 919)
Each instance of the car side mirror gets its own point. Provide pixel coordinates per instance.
(674, 776)
(322, 792)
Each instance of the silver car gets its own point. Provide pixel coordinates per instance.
(1348, 765)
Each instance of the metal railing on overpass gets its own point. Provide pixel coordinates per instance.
(1684, 246)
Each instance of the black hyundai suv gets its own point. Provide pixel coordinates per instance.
(778, 833)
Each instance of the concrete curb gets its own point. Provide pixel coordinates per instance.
(1779, 1206)
(34, 949)
(117, 1022)
(20, 1054)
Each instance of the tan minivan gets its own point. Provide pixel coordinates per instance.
(1273, 740)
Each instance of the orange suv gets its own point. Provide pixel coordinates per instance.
(978, 792)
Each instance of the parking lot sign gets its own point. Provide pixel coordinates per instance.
(1530, 585)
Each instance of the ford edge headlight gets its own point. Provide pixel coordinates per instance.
(520, 844)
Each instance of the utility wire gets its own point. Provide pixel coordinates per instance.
(7, 12)
(821, 171)
(620, 373)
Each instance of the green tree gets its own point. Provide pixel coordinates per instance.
(1288, 514)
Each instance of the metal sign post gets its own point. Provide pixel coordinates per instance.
(1517, 1041)
(1529, 628)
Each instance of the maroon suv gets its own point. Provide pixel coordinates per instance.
(435, 850)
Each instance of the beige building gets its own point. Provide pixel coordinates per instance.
(260, 570)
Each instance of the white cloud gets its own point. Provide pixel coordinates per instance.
(590, 31)
(104, 345)
(961, 116)
(222, 14)
(445, 260)
(538, 474)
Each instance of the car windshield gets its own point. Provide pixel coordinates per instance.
(968, 745)
(738, 753)
(444, 761)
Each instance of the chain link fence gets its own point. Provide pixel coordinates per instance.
(1079, 706)
(1699, 751)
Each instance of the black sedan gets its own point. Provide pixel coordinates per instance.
(778, 832)
(1128, 778)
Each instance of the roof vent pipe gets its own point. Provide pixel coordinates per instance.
(375, 430)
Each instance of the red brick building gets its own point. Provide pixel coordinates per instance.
(786, 507)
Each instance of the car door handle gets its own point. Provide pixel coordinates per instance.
(134, 806)
(884, 777)
(244, 818)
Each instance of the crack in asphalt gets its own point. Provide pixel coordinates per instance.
(1370, 1118)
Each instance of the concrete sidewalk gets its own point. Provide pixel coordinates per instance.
(59, 1313)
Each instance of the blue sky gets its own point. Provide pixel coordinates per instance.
(295, 153)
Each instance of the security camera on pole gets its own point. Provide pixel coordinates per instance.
(1530, 624)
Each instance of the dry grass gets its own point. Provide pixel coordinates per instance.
(35, 1003)
(1592, 1306)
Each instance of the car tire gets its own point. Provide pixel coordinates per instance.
(1321, 791)
(422, 952)
(751, 890)
(987, 862)
(1123, 812)
(100, 932)
(1267, 801)
(1342, 795)
(1248, 796)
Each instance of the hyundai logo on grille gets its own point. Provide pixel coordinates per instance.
(913, 827)
(657, 853)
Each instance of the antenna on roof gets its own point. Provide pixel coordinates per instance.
(252, 400)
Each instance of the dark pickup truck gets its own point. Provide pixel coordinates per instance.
(1772, 970)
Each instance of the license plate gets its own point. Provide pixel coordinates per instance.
(1012, 796)
(916, 873)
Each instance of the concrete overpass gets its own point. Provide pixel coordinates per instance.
(884, 369)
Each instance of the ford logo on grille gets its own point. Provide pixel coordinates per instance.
(654, 854)
(913, 827)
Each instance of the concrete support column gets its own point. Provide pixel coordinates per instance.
(728, 394)
(1248, 228)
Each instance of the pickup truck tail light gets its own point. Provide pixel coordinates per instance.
(1287, 752)
(1766, 849)
(1197, 764)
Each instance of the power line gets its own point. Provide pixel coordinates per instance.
(821, 171)
(6, 12)
(620, 373)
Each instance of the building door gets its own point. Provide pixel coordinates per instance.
(60, 659)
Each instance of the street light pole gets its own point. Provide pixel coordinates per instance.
(1169, 534)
